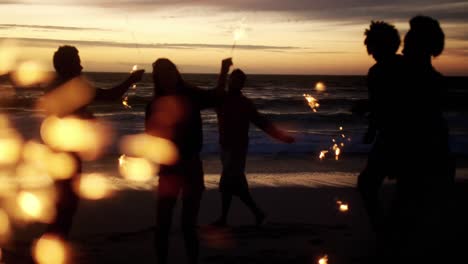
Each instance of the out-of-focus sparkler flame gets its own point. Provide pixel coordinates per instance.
(10, 147)
(337, 153)
(135, 68)
(86, 137)
(5, 227)
(312, 102)
(323, 260)
(322, 154)
(8, 55)
(67, 98)
(320, 87)
(61, 166)
(92, 186)
(238, 33)
(125, 103)
(122, 159)
(50, 249)
(155, 149)
(136, 169)
(343, 207)
(30, 204)
(31, 73)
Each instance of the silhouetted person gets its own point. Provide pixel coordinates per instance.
(174, 114)
(67, 64)
(424, 188)
(384, 78)
(234, 117)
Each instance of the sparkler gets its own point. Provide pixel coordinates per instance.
(134, 86)
(337, 153)
(323, 260)
(135, 68)
(238, 33)
(343, 207)
(322, 154)
(312, 102)
(125, 103)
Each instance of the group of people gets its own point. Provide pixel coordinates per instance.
(415, 121)
(410, 143)
(174, 114)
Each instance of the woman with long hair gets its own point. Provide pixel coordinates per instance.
(174, 114)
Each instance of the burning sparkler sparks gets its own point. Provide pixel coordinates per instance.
(343, 207)
(238, 33)
(125, 103)
(312, 102)
(135, 68)
(323, 260)
(337, 153)
(322, 154)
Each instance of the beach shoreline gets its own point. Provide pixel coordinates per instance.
(299, 194)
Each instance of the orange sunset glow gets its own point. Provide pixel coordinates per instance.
(290, 37)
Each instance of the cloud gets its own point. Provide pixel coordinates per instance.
(307, 9)
(12, 26)
(58, 42)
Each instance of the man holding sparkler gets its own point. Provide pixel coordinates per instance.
(234, 117)
(67, 64)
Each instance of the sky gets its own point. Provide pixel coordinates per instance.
(279, 37)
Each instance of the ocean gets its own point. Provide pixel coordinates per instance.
(279, 97)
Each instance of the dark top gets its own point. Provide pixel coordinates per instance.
(386, 82)
(181, 116)
(234, 117)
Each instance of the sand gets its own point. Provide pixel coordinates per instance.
(298, 193)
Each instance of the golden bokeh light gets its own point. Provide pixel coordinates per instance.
(323, 260)
(10, 148)
(8, 185)
(92, 186)
(67, 98)
(8, 56)
(61, 166)
(30, 74)
(136, 169)
(50, 249)
(86, 137)
(36, 206)
(5, 226)
(320, 87)
(344, 207)
(30, 176)
(155, 149)
(30, 204)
